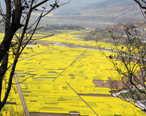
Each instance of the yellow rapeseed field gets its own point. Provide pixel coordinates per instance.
(60, 79)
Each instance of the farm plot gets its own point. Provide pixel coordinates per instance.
(75, 38)
(13, 105)
(57, 79)
(56, 76)
(110, 106)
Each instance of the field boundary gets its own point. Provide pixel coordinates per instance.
(82, 99)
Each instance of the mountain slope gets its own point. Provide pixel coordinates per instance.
(95, 7)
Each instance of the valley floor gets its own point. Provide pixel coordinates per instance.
(58, 80)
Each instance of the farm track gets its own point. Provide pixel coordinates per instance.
(51, 114)
(82, 99)
(97, 95)
(26, 112)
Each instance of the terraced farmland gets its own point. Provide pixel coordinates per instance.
(58, 79)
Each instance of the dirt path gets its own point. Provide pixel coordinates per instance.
(82, 99)
(97, 95)
(26, 112)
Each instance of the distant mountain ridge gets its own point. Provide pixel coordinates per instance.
(99, 12)
(93, 13)
(92, 7)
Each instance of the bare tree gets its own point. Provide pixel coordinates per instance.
(129, 60)
(15, 17)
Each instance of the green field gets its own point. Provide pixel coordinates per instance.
(59, 79)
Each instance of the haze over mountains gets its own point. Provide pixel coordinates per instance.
(95, 7)
(97, 13)
(94, 13)
(75, 7)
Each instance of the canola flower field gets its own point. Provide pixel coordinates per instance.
(59, 79)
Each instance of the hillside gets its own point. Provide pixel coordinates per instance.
(93, 13)
(104, 35)
(92, 7)
(97, 14)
